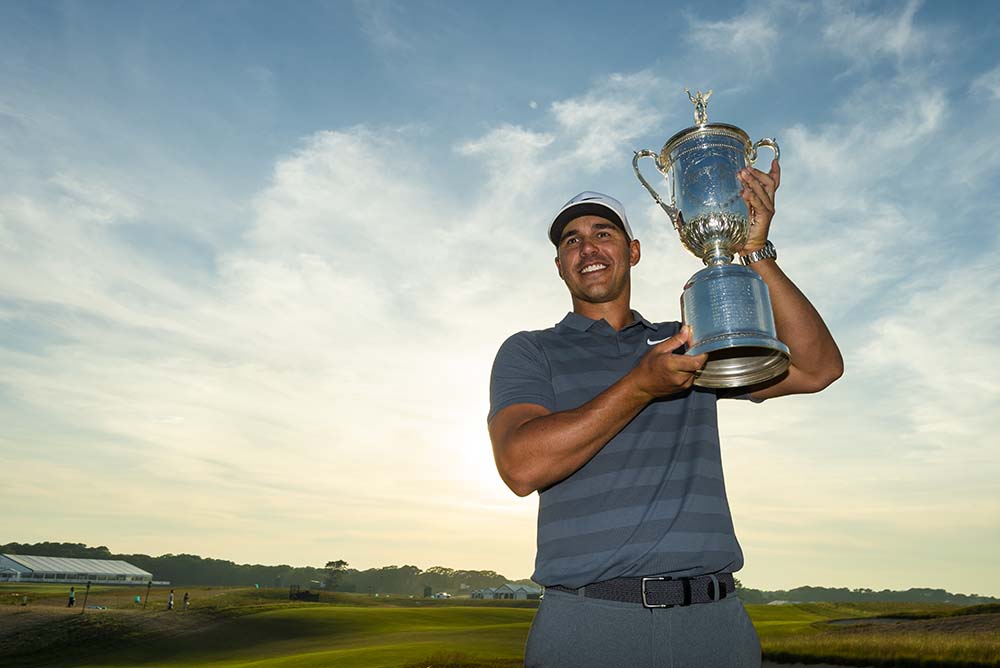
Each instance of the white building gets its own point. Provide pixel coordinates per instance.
(509, 591)
(25, 568)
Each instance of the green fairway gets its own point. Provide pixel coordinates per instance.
(237, 627)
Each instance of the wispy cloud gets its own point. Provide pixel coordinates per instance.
(865, 38)
(747, 41)
(988, 84)
(381, 23)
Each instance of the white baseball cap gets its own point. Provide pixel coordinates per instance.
(589, 203)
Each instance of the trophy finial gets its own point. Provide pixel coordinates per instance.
(700, 102)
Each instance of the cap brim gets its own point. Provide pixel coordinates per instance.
(578, 209)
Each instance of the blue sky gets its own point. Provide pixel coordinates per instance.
(255, 262)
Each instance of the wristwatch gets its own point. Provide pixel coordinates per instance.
(765, 252)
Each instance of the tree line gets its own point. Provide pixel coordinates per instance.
(844, 595)
(191, 569)
(407, 580)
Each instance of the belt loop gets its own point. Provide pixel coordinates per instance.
(582, 591)
(715, 587)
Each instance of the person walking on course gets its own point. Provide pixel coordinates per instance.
(636, 547)
(72, 598)
(187, 600)
(170, 600)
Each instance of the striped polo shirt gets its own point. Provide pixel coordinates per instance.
(652, 501)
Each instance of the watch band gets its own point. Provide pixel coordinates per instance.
(765, 252)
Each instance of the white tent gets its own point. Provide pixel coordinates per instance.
(29, 568)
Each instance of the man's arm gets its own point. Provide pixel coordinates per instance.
(535, 448)
(815, 358)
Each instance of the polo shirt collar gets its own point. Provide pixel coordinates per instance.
(638, 318)
(582, 323)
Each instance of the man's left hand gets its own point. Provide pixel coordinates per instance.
(758, 193)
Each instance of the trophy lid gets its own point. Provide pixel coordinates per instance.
(701, 127)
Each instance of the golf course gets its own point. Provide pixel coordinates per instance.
(237, 627)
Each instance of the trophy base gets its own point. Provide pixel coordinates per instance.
(729, 310)
(739, 363)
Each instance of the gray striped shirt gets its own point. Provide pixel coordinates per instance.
(652, 501)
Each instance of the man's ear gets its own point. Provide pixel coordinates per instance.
(634, 252)
(559, 267)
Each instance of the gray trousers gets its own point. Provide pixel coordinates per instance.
(571, 631)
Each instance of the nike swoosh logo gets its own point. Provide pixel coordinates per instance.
(651, 342)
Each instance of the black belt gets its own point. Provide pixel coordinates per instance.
(659, 591)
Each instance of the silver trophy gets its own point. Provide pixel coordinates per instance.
(727, 305)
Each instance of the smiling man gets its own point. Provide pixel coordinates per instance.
(599, 414)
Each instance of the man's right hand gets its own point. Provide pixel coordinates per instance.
(663, 372)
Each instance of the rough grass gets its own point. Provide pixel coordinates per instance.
(462, 660)
(926, 635)
(237, 627)
(805, 619)
(954, 639)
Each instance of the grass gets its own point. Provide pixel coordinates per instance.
(774, 622)
(296, 636)
(236, 627)
(930, 636)
(243, 627)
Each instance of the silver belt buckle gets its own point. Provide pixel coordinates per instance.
(646, 603)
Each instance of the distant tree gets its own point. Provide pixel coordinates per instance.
(748, 595)
(332, 572)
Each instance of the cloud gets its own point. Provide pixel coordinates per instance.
(866, 38)
(584, 135)
(616, 112)
(515, 157)
(350, 262)
(836, 199)
(751, 37)
(357, 303)
(95, 201)
(940, 338)
(380, 22)
(988, 84)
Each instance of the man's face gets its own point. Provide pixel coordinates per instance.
(594, 258)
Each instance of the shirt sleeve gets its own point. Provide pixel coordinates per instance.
(521, 375)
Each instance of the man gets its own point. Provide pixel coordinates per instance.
(599, 414)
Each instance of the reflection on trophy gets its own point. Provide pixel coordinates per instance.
(727, 305)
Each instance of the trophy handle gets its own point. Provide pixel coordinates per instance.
(770, 143)
(671, 210)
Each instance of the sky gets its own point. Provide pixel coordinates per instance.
(256, 260)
